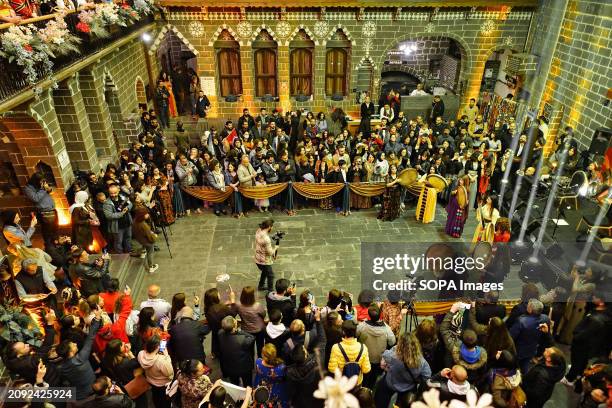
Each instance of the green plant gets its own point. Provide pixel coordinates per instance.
(18, 326)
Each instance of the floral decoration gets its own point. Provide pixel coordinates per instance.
(487, 27)
(321, 28)
(369, 29)
(92, 23)
(430, 27)
(283, 29)
(144, 6)
(196, 28)
(336, 391)
(58, 38)
(244, 29)
(22, 46)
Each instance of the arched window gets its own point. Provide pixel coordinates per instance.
(265, 51)
(337, 64)
(301, 50)
(228, 64)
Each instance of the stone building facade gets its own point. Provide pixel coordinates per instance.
(577, 37)
(371, 34)
(79, 124)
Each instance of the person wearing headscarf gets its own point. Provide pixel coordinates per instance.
(81, 220)
(13, 232)
(381, 168)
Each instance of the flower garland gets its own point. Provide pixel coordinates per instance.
(58, 38)
(31, 47)
(145, 6)
(20, 45)
(92, 23)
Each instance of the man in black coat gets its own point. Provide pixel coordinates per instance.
(22, 359)
(283, 299)
(237, 352)
(202, 105)
(437, 108)
(75, 367)
(187, 338)
(303, 379)
(590, 338)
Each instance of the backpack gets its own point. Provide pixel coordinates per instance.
(351, 368)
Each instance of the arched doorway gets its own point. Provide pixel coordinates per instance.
(496, 79)
(436, 61)
(178, 59)
(141, 94)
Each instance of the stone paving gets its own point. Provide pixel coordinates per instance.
(320, 251)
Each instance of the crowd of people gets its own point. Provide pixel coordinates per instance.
(275, 352)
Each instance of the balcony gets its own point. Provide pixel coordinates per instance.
(14, 79)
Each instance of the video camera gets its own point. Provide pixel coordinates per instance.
(278, 236)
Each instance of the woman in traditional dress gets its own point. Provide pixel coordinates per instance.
(487, 215)
(322, 168)
(358, 174)
(390, 209)
(174, 189)
(164, 196)
(231, 179)
(171, 100)
(457, 208)
(81, 219)
(381, 168)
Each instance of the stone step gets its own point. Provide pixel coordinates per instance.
(129, 270)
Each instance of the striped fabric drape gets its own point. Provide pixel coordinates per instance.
(317, 191)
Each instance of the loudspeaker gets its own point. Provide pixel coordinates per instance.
(602, 140)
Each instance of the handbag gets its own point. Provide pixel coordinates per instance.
(138, 386)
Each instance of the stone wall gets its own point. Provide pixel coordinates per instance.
(372, 35)
(580, 73)
(79, 125)
(427, 49)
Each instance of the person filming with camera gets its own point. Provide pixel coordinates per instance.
(265, 253)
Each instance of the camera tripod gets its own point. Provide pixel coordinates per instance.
(157, 220)
(411, 320)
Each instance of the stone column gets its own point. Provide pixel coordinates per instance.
(92, 88)
(319, 78)
(39, 138)
(283, 76)
(74, 124)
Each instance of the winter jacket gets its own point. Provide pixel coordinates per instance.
(91, 277)
(77, 371)
(115, 330)
(142, 233)
(527, 334)
(316, 340)
(377, 336)
(276, 334)
(398, 378)
(302, 381)
(352, 348)
(236, 353)
(186, 340)
(502, 387)
(286, 304)
(539, 383)
(157, 368)
(475, 370)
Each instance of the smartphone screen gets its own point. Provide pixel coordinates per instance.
(162, 346)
